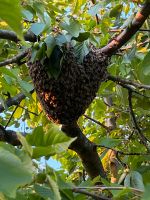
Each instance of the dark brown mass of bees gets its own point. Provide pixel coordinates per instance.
(66, 98)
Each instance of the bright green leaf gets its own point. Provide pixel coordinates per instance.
(116, 11)
(15, 169)
(10, 12)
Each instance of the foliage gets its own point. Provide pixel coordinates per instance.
(58, 23)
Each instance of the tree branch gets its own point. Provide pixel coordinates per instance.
(113, 188)
(125, 153)
(97, 122)
(128, 82)
(143, 139)
(94, 196)
(9, 136)
(86, 150)
(15, 59)
(14, 101)
(10, 35)
(127, 34)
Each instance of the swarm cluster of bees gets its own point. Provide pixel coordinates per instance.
(66, 98)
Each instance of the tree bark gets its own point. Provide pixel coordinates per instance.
(86, 150)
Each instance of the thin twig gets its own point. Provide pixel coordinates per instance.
(128, 82)
(33, 113)
(15, 59)
(96, 16)
(94, 196)
(97, 122)
(143, 139)
(128, 87)
(124, 153)
(11, 116)
(112, 188)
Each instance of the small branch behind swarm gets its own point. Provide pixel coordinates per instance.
(128, 82)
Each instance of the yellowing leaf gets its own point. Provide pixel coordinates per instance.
(143, 50)
(18, 113)
(3, 24)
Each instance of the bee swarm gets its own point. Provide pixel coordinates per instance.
(66, 98)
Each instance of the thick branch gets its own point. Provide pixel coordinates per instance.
(9, 136)
(86, 150)
(10, 35)
(15, 59)
(127, 34)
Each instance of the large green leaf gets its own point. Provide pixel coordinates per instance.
(44, 191)
(146, 64)
(10, 12)
(137, 180)
(73, 28)
(37, 28)
(15, 169)
(54, 63)
(109, 142)
(54, 188)
(116, 11)
(81, 50)
(134, 179)
(95, 9)
(48, 143)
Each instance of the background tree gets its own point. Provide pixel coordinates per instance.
(108, 156)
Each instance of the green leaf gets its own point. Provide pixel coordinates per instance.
(43, 191)
(95, 9)
(109, 142)
(25, 144)
(54, 63)
(134, 179)
(37, 28)
(127, 181)
(48, 143)
(82, 37)
(25, 85)
(61, 39)
(50, 43)
(73, 28)
(27, 14)
(18, 113)
(137, 180)
(38, 152)
(146, 193)
(116, 11)
(10, 12)
(37, 137)
(81, 50)
(146, 64)
(78, 4)
(55, 188)
(15, 169)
